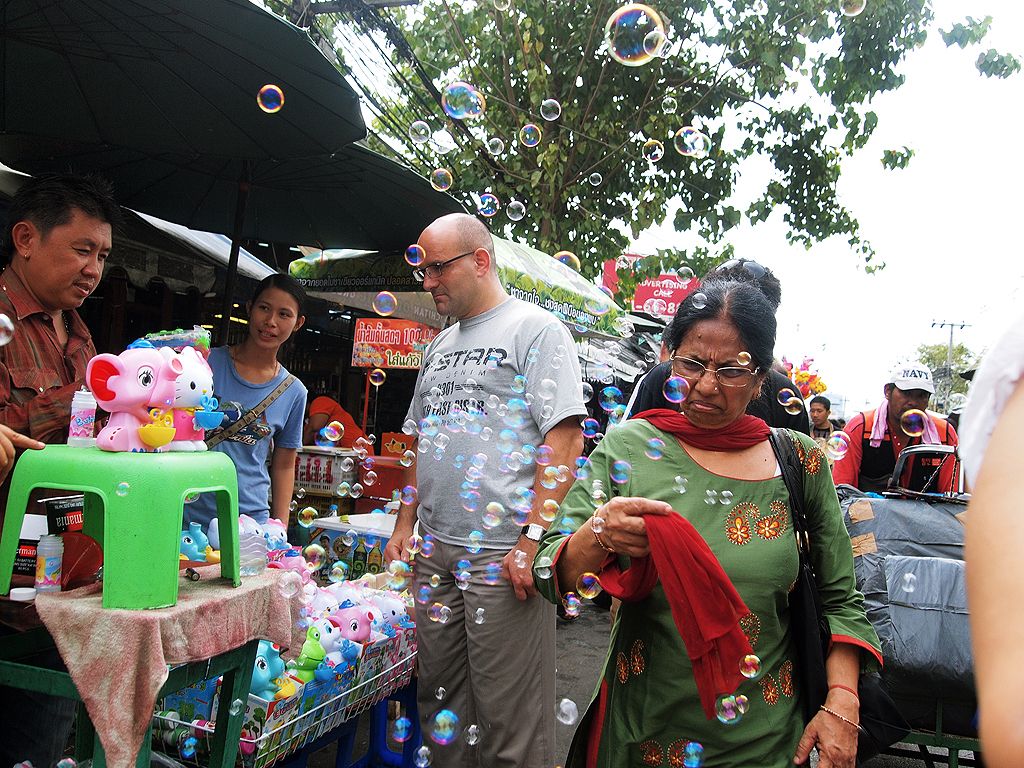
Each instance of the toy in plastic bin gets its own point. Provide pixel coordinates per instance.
(268, 668)
(312, 653)
(276, 533)
(194, 544)
(127, 386)
(356, 621)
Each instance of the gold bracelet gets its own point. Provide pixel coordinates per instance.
(597, 536)
(836, 714)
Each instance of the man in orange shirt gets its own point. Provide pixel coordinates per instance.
(877, 437)
(322, 411)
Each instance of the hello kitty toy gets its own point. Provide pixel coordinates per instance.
(127, 386)
(193, 392)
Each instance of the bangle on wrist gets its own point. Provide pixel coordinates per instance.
(846, 720)
(600, 541)
(846, 688)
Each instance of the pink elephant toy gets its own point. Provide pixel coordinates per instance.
(127, 386)
(356, 622)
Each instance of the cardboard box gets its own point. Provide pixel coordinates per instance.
(366, 552)
(264, 717)
(194, 702)
(54, 514)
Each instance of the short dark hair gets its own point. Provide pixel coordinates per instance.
(749, 271)
(821, 399)
(286, 283)
(742, 303)
(49, 199)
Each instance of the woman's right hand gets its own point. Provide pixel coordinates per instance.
(623, 528)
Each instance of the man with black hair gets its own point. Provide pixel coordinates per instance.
(768, 405)
(58, 235)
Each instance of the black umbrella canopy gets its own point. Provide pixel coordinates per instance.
(352, 199)
(170, 76)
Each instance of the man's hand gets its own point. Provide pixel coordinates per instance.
(10, 441)
(396, 549)
(518, 569)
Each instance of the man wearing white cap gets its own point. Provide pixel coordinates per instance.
(877, 437)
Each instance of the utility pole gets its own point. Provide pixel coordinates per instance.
(948, 377)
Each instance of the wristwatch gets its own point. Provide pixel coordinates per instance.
(533, 531)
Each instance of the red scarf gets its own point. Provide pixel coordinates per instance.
(745, 432)
(705, 605)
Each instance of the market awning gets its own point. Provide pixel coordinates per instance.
(354, 278)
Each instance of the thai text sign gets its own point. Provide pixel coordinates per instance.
(390, 343)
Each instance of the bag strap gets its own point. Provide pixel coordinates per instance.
(249, 416)
(793, 476)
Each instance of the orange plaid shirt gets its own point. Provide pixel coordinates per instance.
(38, 377)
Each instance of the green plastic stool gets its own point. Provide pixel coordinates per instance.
(134, 507)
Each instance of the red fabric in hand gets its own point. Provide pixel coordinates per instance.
(746, 432)
(705, 605)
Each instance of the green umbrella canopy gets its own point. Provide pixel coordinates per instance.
(169, 76)
(355, 277)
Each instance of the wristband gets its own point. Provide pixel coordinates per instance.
(846, 688)
(600, 541)
(846, 720)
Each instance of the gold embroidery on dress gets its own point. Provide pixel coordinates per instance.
(651, 753)
(636, 658)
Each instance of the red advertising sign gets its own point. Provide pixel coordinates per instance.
(390, 343)
(660, 296)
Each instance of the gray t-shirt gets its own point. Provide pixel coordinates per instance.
(491, 387)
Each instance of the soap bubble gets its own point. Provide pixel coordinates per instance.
(385, 303)
(476, 539)
(495, 145)
(728, 710)
(837, 445)
(655, 448)
(419, 132)
(794, 406)
(693, 755)
(549, 510)
(626, 32)
(750, 667)
(568, 258)
(653, 150)
(680, 483)
(187, 748)
(370, 477)
(909, 582)
(851, 8)
(675, 389)
(567, 712)
(314, 555)
(543, 567)
(338, 572)
(348, 537)
(609, 398)
(289, 585)
(743, 358)
(530, 135)
(445, 727)
(654, 42)
(912, 422)
(439, 613)
(236, 707)
(415, 254)
(494, 512)
(403, 730)
(588, 585)
(435, 581)
(519, 384)
(334, 431)
(414, 544)
(440, 693)
(440, 179)
(270, 98)
(461, 101)
(67, 762)
(6, 330)
(550, 109)
(122, 488)
(307, 516)
(378, 376)
(785, 395)
(515, 210)
(620, 471)
(478, 616)
(699, 300)
(408, 459)
(689, 142)
(421, 759)
(344, 489)
(591, 427)
(595, 179)
(669, 104)
(489, 205)
(571, 603)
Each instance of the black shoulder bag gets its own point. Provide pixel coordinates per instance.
(881, 723)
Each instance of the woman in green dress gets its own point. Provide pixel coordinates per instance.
(716, 469)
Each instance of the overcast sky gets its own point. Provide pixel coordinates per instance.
(947, 226)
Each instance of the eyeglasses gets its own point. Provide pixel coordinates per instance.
(752, 268)
(433, 271)
(730, 376)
